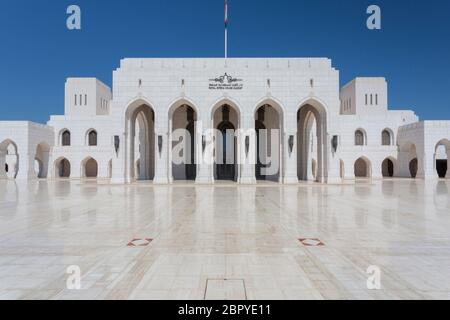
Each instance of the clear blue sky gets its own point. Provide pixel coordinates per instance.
(37, 52)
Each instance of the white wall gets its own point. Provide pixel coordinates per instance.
(286, 83)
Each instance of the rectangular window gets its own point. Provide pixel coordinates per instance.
(366, 100)
(376, 99)
(75, 99)
(85, 99)
(371, 99)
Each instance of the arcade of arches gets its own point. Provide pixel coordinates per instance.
(145, 147)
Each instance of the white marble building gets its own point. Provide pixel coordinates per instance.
(328, 134)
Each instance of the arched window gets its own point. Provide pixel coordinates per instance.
(65, 138)
(92, 138)
(386, 138)
(359, 138)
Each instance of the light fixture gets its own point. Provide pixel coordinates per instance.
(247, 145)
(160, 144)
(203, 143)
(335, 143)
(116, 144)
(291, 144)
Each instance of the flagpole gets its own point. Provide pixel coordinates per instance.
(226, 29)
(226, 43)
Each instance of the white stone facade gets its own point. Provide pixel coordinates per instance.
(327, 134)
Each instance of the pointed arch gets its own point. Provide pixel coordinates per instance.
(312, 113)
(269, 116)
(181, 101)
(65, 138)
(389, 167)
(9, 159)
(183, 116)
(275, 103)
(226, 118)
(360, 137)
(442, 158)
(91, 137)
(226, 101)
(387, 137)
(140, 132)
(89, 168)
(62, 167)
(363, 167)
(42, 156)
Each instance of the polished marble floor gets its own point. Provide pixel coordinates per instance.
(225, 241)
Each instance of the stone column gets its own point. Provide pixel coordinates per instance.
(323, 153)
(204, 158)
(349, 170)
(102, 168)
(26, 167)
(447, 176)
(402, 169)
(290, 157)
(162, 158)
(309, 160)
(45, 164)
(2, 165)
(426, 169)
(246, 161)
(334, 164)
(377, 169)
(76, 168)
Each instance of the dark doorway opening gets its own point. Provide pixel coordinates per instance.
(259, 165)
(388, 168)
(191, 167)
(413, 167)
(224, 169)
(441, 167)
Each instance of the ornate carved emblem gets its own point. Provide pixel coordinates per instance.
(226, 82)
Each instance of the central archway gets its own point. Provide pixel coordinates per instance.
(89, 168)
(140, 128)
(226, 121)
(268, 127)
(312, 142)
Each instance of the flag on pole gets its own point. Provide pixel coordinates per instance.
(226, 13)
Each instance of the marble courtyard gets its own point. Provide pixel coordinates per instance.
(226, 241)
